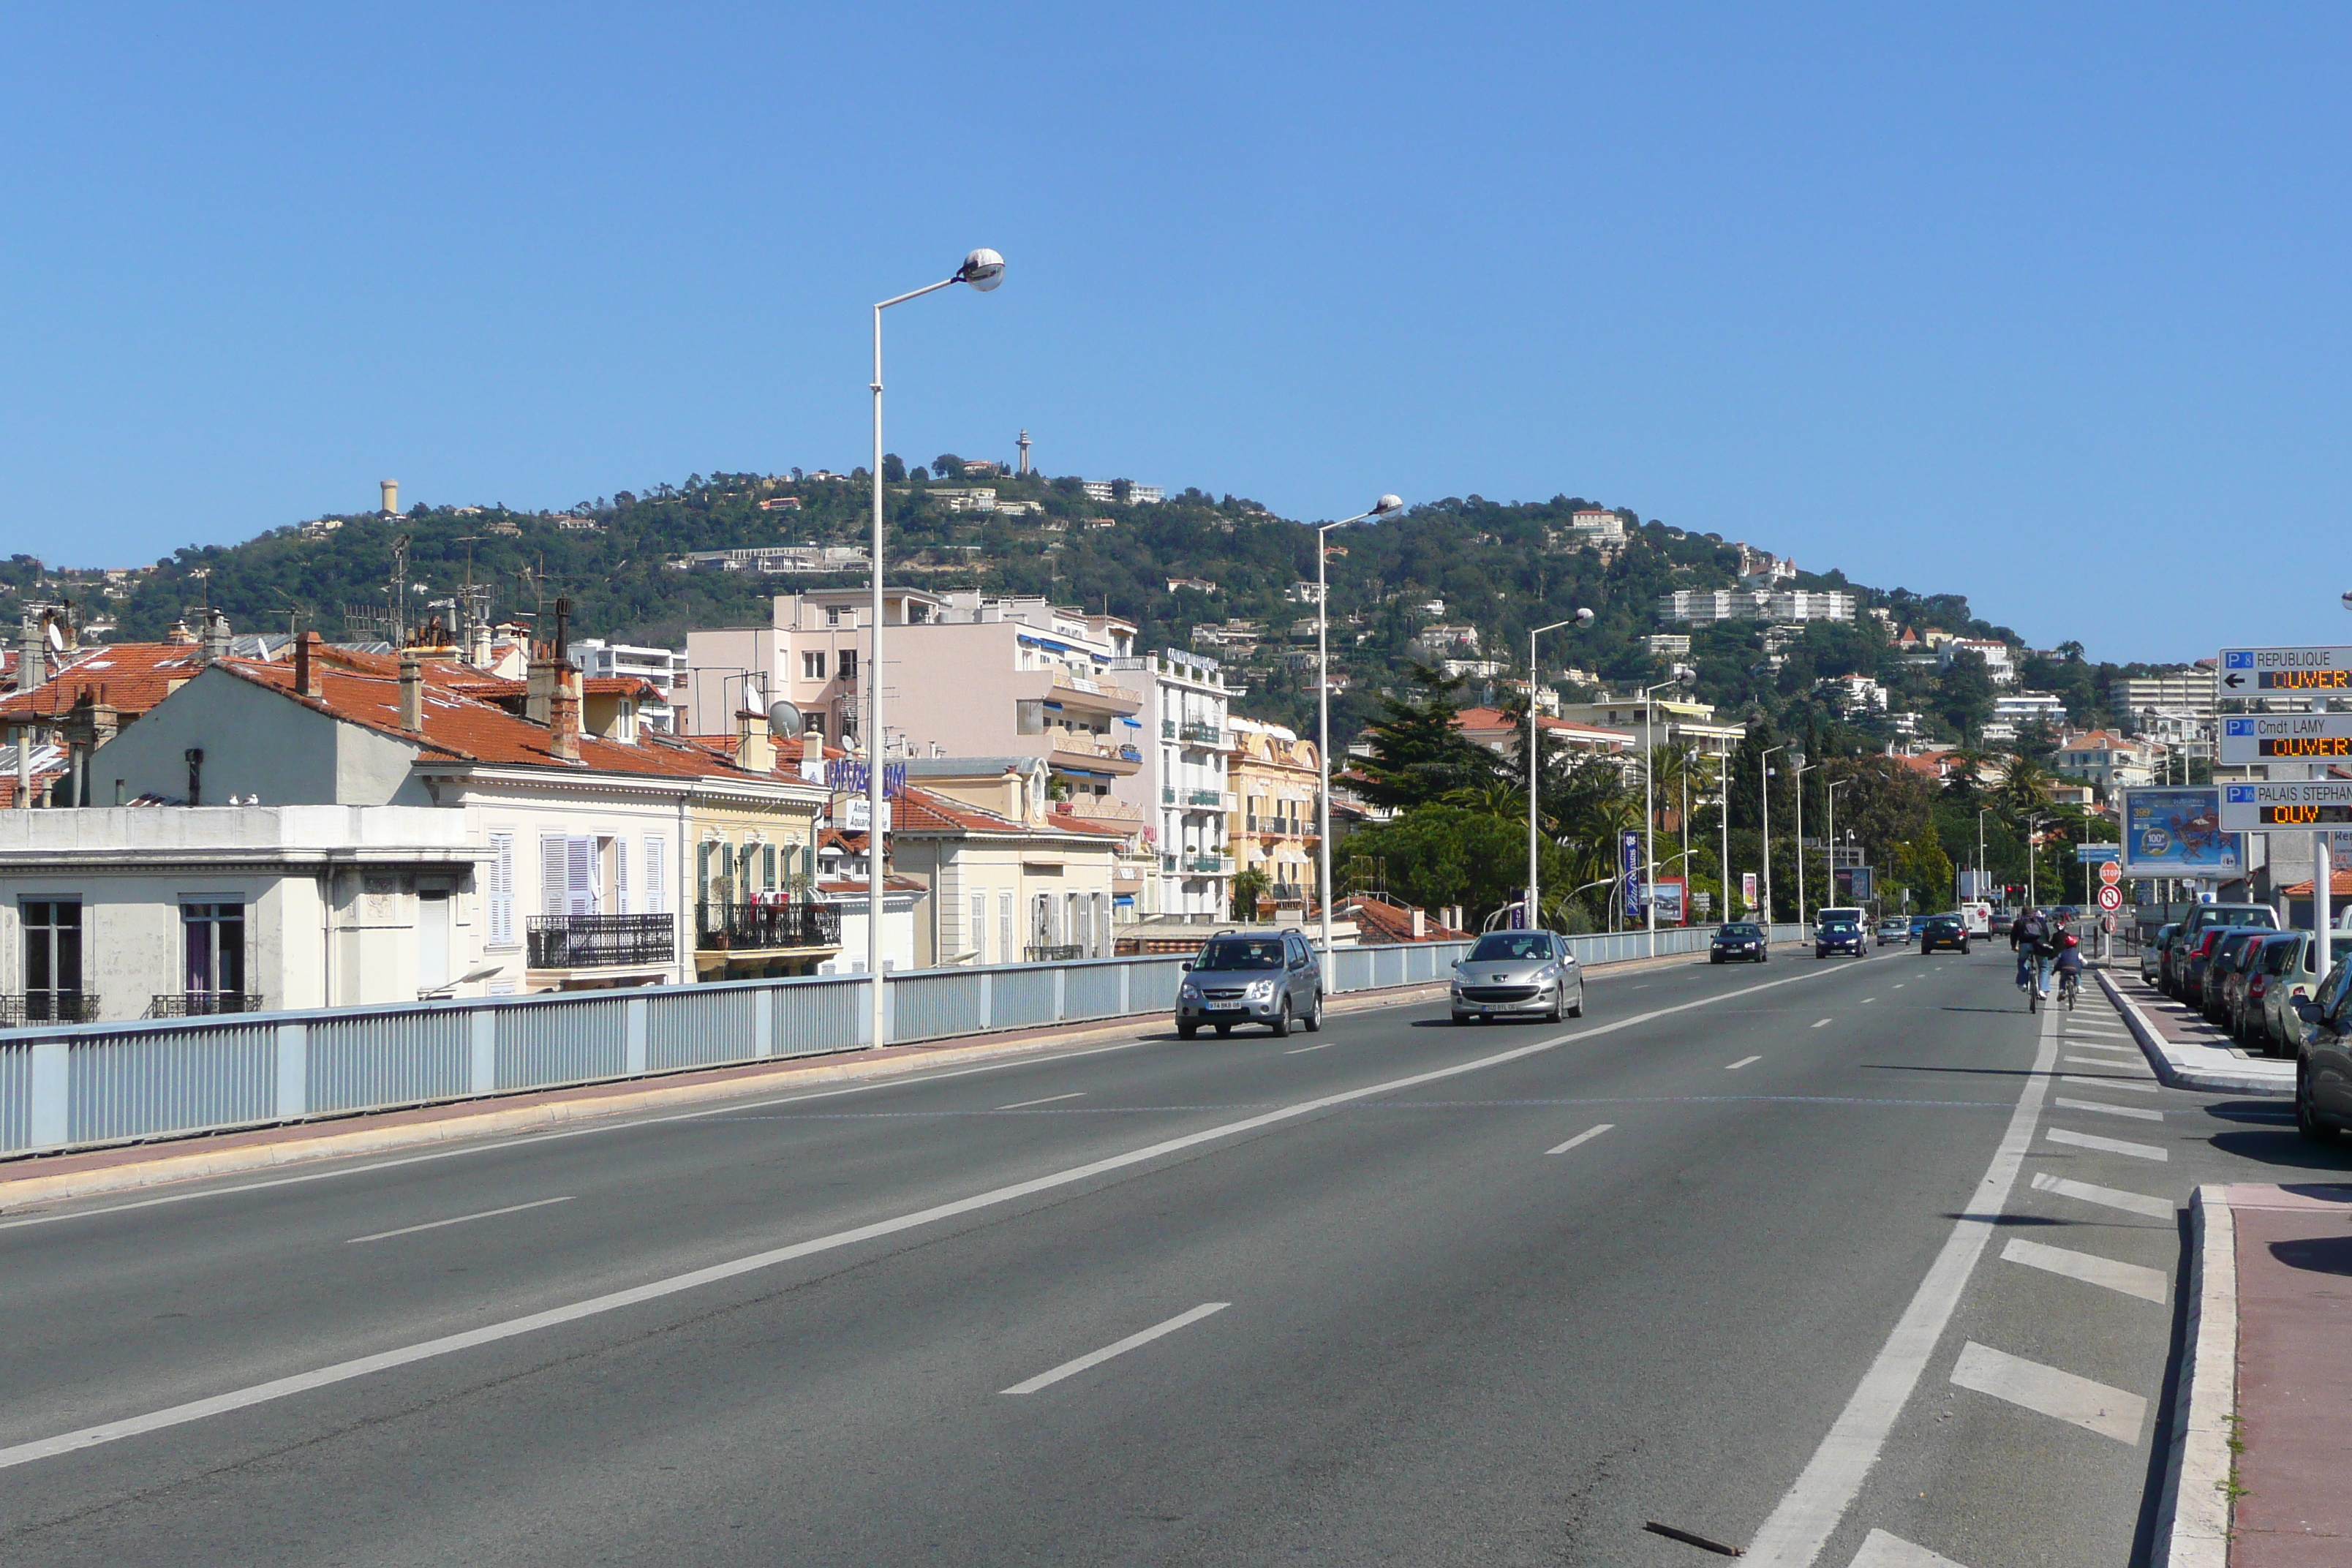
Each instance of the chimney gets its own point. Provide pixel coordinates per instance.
(412, 693)
(390, 488)
(1420, 924)
(538, 693)
(32, 654)
(478, 651)
(216, 638)
(563, 629)
(755, 749)
(812, 756)
(308, 679)
(563, 718)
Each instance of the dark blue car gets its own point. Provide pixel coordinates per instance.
(1840, 933)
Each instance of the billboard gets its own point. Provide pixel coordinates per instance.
(2177, 832)
(1629, 865)
(1747, 889)
(1856, 884)
(1670, 891)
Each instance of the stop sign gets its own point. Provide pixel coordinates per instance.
(2110, 873)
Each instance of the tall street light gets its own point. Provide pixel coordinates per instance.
(1380, 507)
(1582, 617)
(1765, 761)
(1803, 767)
(983, 270)
(1830, 838)
(2033, 831)
(1723, 794)
(1650, 815)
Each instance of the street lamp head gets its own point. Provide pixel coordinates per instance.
(983, 270)
(1387, 504)
(1583, 617)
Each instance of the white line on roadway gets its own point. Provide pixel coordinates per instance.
(2111, 1197)
(1049, 1100)
(1302, 1050)
(1885, 1551)
(461, 1219)
(1095, 1358)
(1586, 1136)
(2111, 1066)
(2137, 1112)
(2147, 1284)
(1899, 984)
(2107, 1145)
(1812, 1510)
(1868, 1000)
(1817, 1023)
(715, 1273)
(2075, 1045)
(1734, 1067)
(2093, 1406)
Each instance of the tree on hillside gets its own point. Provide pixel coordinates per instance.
(1419, 754)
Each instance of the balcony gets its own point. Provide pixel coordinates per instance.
(1211, 797)
(1078, 750)
(1209, 865)
(602, 941)
(48, 1007)
(200, 1005)
(1092, 696)
(1197, 733)
(1062, 954)
(752, 928)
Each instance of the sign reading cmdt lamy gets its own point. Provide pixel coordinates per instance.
(2313, 803)
(2247, 671)
(2272, 737)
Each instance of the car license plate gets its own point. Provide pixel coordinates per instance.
(1226, 1007)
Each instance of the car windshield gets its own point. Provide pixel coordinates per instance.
(1838, 924)
(1737, 928)
(1241, 954)
(2276, 954)
(2261, 915)
(1943, 923)
(1506, 947)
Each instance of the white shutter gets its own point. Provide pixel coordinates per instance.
(582, 890)
(554, 875)
(656, 884)
(979, 928)
(502, 890)
(620, 876)
(1006, 951)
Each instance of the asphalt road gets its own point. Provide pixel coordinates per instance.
(1378, 1295)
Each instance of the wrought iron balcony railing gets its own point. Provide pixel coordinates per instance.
(740, 927)
(601, 941)
(48, 1007)
(201, 1004)
(1062, 954)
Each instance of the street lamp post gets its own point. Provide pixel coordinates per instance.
(983, 270)
(1582, 617)
(1650, 815)
(1723, 794)
(1803, 767)
(1765, 761)
(1380, 507)
(2032, 827)
(1979, 889)
(1831, 836)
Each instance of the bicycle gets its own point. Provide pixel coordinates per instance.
(2070, 987)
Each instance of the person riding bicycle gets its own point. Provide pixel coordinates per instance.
(2036, 947)
(2068, 962)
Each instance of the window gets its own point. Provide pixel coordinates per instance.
(502, 869)
(979, 928)
(657, 877)
(811, 666)
(848, 662)
(1004, 946)
(213, 941)
(52, 959)
(620, 876)
(767, 868)
(568, 880)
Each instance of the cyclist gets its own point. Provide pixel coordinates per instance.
(2068, 963)
(2031, 937)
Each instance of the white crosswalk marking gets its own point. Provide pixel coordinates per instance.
(2104, 1062)
(2061, 1395)
(2107, 1145)
(2110, 1197)
(2137, 1112)
(2094, 1045)
(1885, 1551)
(2107, 1082)
(2147, 1284)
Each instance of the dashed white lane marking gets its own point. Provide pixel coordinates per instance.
(1818, 1022)
(2107, 1081)
(1734, 1067)
(1586, 1136)
(1025, 1104)
(2111, 1197)
(2093, 1407)
(1898, 985)
(461, 1219)
(1885, 1551)
(1095, 1358)
(1868, 1000)
(2137, 1112)
(2107, 1145)
(2147, 1284)
(1302, 1050)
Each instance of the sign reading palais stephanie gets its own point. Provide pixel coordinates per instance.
(2314, 803)
(2270, 737)
(2247, 671)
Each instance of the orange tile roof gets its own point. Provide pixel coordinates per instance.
(136, 676)
(1390, 923)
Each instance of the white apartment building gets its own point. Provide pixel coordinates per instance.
(1136, 495)
(1856, 693)
(1671, 723)
(1704, 604)
(663, 669)
(1591, 525)
(2188, 693)
(2023, 708)
(1183, 789)
(2106, 759)
(2000, 663)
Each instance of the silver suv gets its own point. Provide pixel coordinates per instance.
(1244, 978)
(1518, 973)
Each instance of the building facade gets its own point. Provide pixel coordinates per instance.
(1183, 789)
(1275, 780)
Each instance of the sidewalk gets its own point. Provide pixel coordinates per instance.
(2186, 1051)
(2271, 1381)
(52, 1178)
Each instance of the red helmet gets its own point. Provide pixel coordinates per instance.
(2071, 939)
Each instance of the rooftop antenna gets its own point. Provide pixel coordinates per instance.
(396, 592)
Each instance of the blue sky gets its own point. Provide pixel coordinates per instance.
(2042, 305)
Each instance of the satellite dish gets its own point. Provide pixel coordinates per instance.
(784, 721)
(56, 638)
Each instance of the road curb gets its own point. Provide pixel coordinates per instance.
(2194, 1518)
(748, 1081)
(2171, 1073)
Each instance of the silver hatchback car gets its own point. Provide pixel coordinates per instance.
(1270, 978)
(1518, 973)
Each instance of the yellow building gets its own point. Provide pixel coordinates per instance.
(751, 852)
(1272, 776)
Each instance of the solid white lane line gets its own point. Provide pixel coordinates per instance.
(461, 1219)
(1885, 1551)
(2137, 1112)
(1734, 1067)
(2109, 1081)
(1049, 1100)
(1302, 1050)
(1810, 1512)
(1095, 1358)
(2107, 1145)
(693, 1280)
(1586, 1136)
(2110, 1197)
(2147, 1284)
(1817, 1023)
(2093, 1406)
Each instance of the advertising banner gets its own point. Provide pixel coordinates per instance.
(1670, 891)
(1856, 884)
(1629, 862)
(1747, 889)
(2177, 832)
